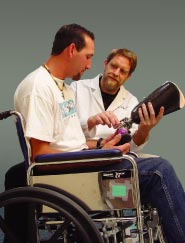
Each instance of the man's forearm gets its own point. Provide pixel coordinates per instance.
(140, 137)
(91, 122)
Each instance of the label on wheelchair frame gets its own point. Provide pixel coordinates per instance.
(116, 189)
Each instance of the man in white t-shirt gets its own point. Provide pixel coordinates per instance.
(48, 109)
(47, 103)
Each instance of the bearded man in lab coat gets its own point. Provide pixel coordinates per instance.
(103, 101)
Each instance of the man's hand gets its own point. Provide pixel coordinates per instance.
(112, 140)
(105, 118)
(148, 120)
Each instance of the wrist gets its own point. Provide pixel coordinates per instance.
(91, 122)
(139, 137)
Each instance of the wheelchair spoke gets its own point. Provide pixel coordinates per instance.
(68, 224)
(60, 231)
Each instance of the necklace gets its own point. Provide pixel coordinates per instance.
(59, 85)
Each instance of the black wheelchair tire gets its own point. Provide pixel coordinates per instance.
(64, 205)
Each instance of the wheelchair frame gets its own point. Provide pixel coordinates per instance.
(59, 163)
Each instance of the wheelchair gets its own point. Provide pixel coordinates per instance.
(72, 200)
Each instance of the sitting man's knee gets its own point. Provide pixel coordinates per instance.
(164, 166)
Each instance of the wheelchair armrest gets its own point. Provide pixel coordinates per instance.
(73, 161)
(79, 155)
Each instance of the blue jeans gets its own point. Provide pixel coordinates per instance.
(160, 187)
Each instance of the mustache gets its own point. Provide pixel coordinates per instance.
(113, 77)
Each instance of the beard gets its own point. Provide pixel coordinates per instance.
(111, 85)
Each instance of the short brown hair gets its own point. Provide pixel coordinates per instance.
(67, 34)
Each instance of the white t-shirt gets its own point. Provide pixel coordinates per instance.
(47, 115)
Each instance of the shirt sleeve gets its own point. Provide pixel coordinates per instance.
(38, 114)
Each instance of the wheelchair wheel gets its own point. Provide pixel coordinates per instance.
(64, 222)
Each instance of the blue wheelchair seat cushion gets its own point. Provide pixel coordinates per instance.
(79, 155)
(68, 162)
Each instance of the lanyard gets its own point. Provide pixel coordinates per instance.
(59, 85)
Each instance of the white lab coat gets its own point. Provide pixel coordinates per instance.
(89, 102)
